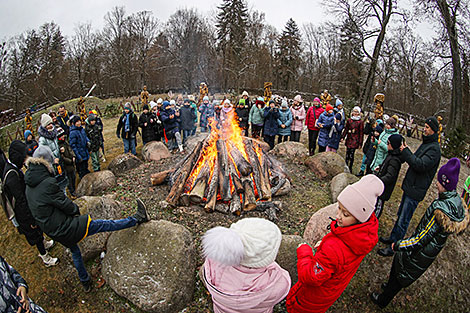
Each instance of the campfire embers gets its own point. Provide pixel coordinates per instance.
(226, 172)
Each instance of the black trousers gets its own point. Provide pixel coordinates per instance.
(270, 140)
(350, 158)
(295, 136)
(392, 289)
(281, 138)
(256, 130)
(82, 168)
(72, 177)
(312, 141)
(321, 148)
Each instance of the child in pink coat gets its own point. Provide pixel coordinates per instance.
(240, 271)
(298, 117)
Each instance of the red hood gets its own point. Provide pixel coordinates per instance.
(360, 238)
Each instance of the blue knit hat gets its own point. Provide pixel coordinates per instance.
(27, 133)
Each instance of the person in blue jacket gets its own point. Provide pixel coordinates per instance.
(207, 111)
(284, 121)
(324, 122)
(79, 143)
(170, 122)
(334, 136)
(271, 115)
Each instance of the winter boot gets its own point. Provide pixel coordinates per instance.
(48, 244)
(142, 215)
(360, 174)
(181, 148)
(48, 260)
(86, 285)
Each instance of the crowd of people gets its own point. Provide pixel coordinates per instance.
(240, 271)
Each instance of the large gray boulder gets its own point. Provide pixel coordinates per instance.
(287, 255)
(291, 150)
(326, 165)
(99, 208)
(155, 151)
(317, 226)
(339, 182)
(124, 162)
(95, 183)
(152, 265)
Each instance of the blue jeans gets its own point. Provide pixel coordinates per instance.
(405, 213)
(98, 226)
(129, 144)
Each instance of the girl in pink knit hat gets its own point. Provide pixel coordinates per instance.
(324, 275)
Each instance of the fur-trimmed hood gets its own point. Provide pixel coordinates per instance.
(450, 226)
(38, 170)
(451, 212)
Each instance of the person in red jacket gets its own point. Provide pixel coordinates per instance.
(312, 115)
(323, 276)
(354, 134)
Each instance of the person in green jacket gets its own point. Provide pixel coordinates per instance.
(59, 217)
(382, 147)
(445, 216)
(256, 118)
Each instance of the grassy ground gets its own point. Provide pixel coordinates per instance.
(443, 288)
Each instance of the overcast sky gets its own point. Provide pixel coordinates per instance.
(19, 16)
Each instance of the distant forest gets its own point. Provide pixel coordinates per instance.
(370, 47)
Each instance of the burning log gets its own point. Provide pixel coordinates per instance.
(243, 166)
(249, 200)
(180, 180)
(265, 182)
(211, 190)
(224, 171)
(236, 181)
(197, 193)
(254, 161)
(161, 177)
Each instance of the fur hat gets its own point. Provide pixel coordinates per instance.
(17, 153)
(44, 152)
(251, 242)
(395, 141)
(448, 175)
(45, 120)
(431, 121)
(360, 198)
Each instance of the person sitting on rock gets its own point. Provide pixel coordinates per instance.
(59, 218)
(14, 291)
(445, 216)
(324, 275)
(240, 271)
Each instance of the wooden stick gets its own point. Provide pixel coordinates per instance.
(243, 166)
(161, 177)
(265, 183)
(224, 171)
(236, 181)
(197, 192)
(254, 161)
(249, 200)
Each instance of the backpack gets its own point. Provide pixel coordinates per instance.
(6, 203)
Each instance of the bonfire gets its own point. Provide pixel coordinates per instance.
(227, 172)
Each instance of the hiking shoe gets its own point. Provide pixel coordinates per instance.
(142, 215)
(385, 252)
(375, 297)
(48, 260)
(385, 240)
(87, 285)
(48, 244)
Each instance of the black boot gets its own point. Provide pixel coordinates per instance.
(87, 285)
(360, 174)
(142, 215)
(375, 297)
(385, 252)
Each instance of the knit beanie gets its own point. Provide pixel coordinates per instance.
(205, 98)
(27, 133)
(251, 242)
(145, 107)
(45, 153)
(338, 116)
(60, 131)
(316, 100)
(360, 198)
(328, 107)
(241, 102)
(74, 119)
(339, 102)
(432, 123)
(391, 122)
(356, 108)
(395, 141)
(379, 129)
(17, 153)
(127, 106)
(160, 100)
(172, 102)
(284, 104)
(165, 105)
(448, 175)
(45, 120)
(152, 104)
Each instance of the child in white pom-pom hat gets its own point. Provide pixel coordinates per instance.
(240, 271)
(323, 276)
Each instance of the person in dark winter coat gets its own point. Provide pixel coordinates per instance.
(334, 137)
(271, 116)
(423, 165)
(79, 143)
(372, 148)
(242, 115)
(147, 124)
(389, 171)
(63, 118)
(93, 133)
(354, 135)
(313, 114)
(207, 111)
(170, 123)
(284, 122)
(14, 190)
(446, 216)
(369, 131)
(99, 122)
(324, 123)
(31, 143)
(324, 275)
(68, 158)
(14, 291)
(187, 116)
(60, 218)
(127, 129)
